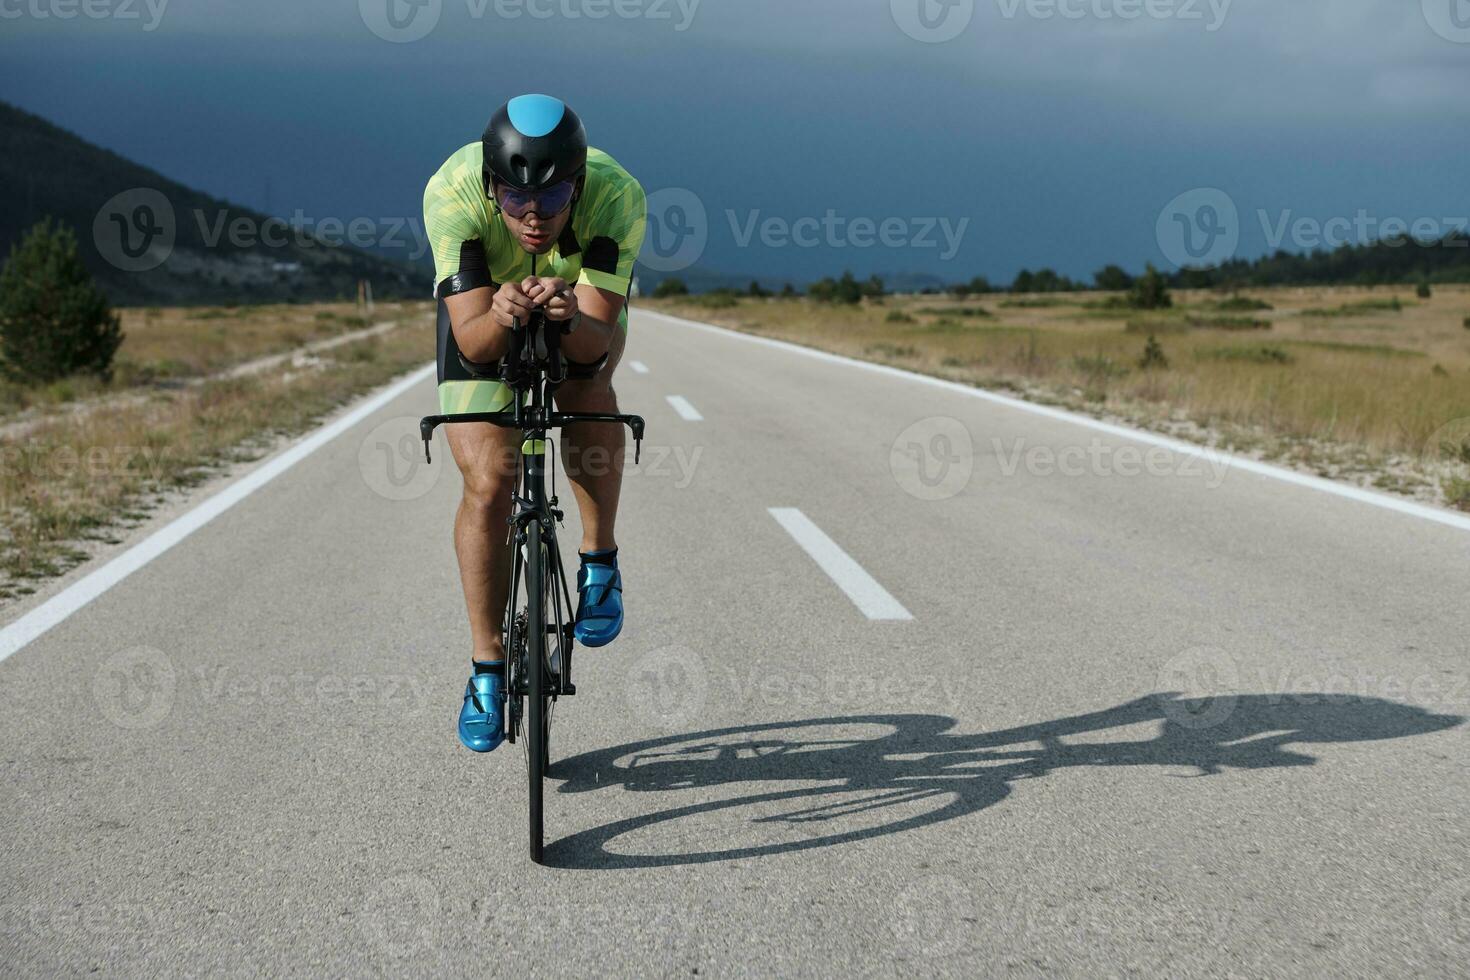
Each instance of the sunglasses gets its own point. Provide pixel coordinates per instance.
(547, 202)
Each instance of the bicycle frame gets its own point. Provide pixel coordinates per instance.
(533, 368)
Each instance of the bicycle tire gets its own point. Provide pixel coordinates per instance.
(536, 733)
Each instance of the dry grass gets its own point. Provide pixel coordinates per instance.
(1358, 375)
(84, 477)
(163, 346)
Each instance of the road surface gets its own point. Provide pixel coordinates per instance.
(912, 682)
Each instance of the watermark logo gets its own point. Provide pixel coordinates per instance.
(933, 459)
(402, 915)
(933, 917)
(135, 689)
(932, 21)
(1208, 679)
(400, 21)
(392, 463)
(1199, 229)
(1450, 443)
(678, 230)
(668, 687)
(1450, 19)
(135, 230)
(1447, 917)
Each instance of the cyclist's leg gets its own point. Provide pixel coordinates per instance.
(487, 459)
(592, 453)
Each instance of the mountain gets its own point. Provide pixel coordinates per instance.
(152, 241)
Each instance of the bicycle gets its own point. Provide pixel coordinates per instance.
(537, 674)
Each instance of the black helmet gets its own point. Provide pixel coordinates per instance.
(533, 142)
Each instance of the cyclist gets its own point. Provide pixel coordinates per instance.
(531, 191)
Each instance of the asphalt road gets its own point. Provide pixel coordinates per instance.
(1110, 710)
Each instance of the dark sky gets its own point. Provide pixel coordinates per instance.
(1051, 132)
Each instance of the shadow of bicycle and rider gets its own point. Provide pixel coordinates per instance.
(914, 770)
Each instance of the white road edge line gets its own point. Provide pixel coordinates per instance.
(1347, 491)
(686, 411)
(872, 599)
(638, 367)
(59, 607)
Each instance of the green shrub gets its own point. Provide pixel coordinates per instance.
(893, 350)
(1150, 291)
(717, 299)
(1467, 323)
(1241, 304)
(1152, 326)
(962, 311)
(1099, 367)
(1034, 302)
(670, 287)
(1423, 291)
(1112, 278)
(898, 316)
(978, 284)
(1227, 323)
(1391, 305)
(1153, 355)
(1457, 493)
(1252, 355)
(54, 321)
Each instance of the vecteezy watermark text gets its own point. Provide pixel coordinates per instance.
(1097, 458)
(1211, 12)
(90, 9)
(834, 230)
(404, 21)
(138, 229)
(1201, 228)
(936, 21)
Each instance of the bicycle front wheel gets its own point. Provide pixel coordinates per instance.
(537, 719)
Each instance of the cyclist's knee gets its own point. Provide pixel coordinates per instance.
(489, 493)
(588, 395)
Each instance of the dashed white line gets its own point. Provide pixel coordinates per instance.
(872, 599)
(638, 367)
(686, 411)
(60, 606)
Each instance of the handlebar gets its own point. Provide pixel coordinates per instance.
(532, 419)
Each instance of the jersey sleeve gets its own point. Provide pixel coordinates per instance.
(618, 224)
(454, 237)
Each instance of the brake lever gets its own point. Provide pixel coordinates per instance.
(636, 424)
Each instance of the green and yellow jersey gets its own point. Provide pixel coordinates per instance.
(474, 249)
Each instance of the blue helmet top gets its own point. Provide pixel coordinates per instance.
(532, 142)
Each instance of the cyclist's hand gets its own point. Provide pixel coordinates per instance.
(511, 305)
(557, 298)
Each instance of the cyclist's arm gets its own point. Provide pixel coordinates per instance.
(599, 309)
(607, 272)
(480, 337)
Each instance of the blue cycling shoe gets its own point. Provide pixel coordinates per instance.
(600, 599)
(482, 718)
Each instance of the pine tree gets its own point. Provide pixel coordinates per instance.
(54, 321)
